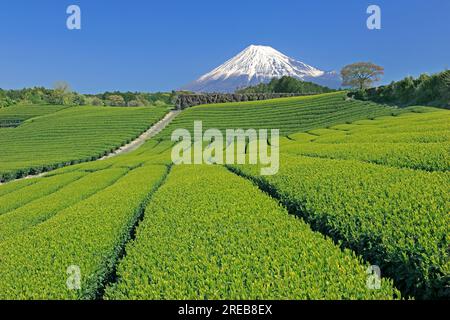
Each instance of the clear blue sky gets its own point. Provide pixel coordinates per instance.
(145, 45)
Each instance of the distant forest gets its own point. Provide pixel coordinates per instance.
(62, 95)
(430, 90)
(286, 84)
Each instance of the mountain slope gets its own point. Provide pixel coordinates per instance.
(257, 64)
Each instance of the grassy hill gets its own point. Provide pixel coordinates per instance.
(56, 136)
(14, 116)
(290, 115)
(353, 171)
(379, 187)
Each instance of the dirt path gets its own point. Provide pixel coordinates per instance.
(154, 130)
(133, 145)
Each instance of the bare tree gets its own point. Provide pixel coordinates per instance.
(62, 86)
(361, 74)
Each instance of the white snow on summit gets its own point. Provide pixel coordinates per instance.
(257, 64)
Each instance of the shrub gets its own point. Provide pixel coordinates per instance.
(135, 103)
(116, 101)
(201, 239)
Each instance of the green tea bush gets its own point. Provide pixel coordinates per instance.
(411, 140)
(89, 235)
(208, 234)
(16, 185)
(395, 218)
(39, 189)
(44, 208)
(70, 136)
(290, 115)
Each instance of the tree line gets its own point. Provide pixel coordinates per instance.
(286, 84)
(61, 94)
(431, 90)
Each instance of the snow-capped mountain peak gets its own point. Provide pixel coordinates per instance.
(253, 65)
(257, 61)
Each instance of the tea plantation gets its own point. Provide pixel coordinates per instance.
(359, 184)
(71, 135)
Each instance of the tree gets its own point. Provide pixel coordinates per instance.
(79, 100)
(96, 101)
(6, 102)
(159, 103)
(60, 93)
(116, 100)
(285, 84)
(432, 90)
(405, 90)
(444, 87)
(62, 87)
(135, 103)
(361, 74)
